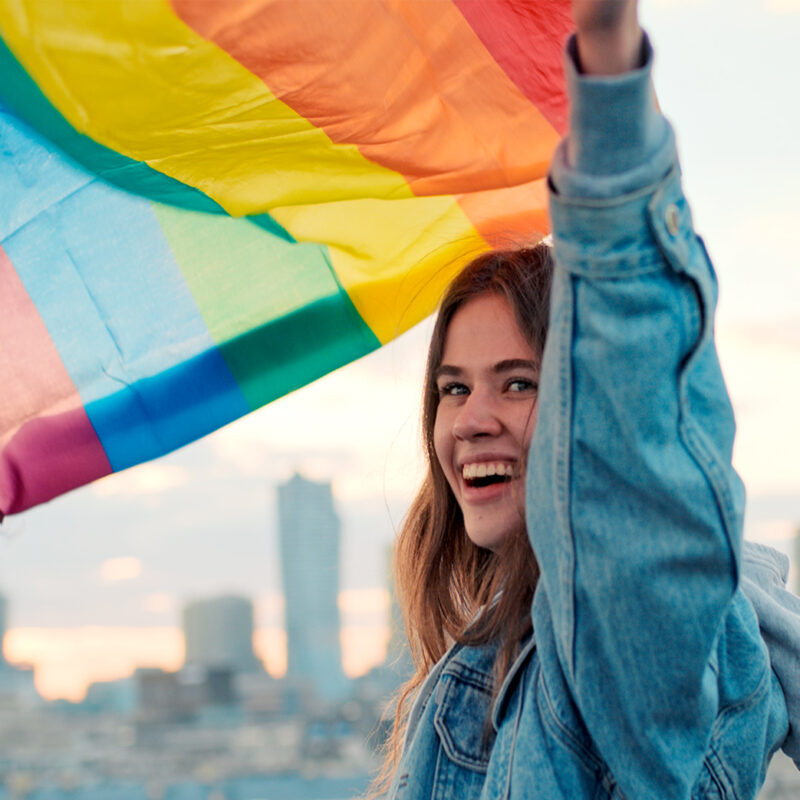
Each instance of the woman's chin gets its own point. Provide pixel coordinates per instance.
(490, 534)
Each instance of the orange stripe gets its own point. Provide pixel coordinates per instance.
(363, 72)
(507, 218)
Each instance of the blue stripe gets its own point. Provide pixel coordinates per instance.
(95, 262)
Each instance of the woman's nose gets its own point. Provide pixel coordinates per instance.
(477, 417)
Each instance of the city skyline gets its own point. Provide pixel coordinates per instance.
(201, 621)
(67, 677)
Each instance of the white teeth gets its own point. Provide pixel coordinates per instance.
(484, 468)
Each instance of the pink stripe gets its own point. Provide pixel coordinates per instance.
(47, 444)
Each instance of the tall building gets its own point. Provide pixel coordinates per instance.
(16, 680)
(3, 605)
(796, 561)
(309, 543)
(398, 653)
(218, 632)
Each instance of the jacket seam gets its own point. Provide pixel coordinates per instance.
(747, 701)
(469, 675)
(592, 762)
(511, 677)
(563, 454)
(617, 201)
(719, 774)
(517, 718)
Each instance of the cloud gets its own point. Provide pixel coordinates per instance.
(761, 364)
(146, 479)
(782, 6)
(363, 647)
(269, 645)
(671, 5)
(364, 604)
(269, 610)
(66, 660)
(773, 531)
(770, 6)
(767, 336)
(159, 603)
(121, 569)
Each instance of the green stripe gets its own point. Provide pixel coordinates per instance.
(20, 92)
(274, 308)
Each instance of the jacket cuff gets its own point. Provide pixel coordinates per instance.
(618, 141)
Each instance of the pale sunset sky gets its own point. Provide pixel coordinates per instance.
(96, 579)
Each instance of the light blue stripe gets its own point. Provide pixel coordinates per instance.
(95, 262)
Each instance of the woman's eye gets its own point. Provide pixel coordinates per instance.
(452, 390)
(522, 385)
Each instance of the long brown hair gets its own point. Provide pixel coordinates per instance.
(449, 589)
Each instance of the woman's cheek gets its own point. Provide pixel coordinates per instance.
(443, 445)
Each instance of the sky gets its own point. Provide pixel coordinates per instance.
(96, 579)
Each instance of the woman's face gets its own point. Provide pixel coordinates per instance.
(487, 384)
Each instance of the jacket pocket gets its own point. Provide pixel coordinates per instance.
(462, 720)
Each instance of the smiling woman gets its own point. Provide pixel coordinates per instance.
(487, 409)
(464, 537)
(601, 632)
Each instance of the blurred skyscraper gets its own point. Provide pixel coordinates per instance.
(796, 561)
(398, 654)
(2, 628)
(309, 542)
(219, 634)
(16, 680)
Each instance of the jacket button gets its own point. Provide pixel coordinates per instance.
(673, 219)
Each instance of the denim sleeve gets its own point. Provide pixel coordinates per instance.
(634, 510)
(764, 575)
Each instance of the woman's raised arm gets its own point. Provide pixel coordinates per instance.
(633, 507)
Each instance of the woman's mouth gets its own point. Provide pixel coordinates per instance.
(486, 473)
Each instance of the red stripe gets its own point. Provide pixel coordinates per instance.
(47, 444)
(526, 38)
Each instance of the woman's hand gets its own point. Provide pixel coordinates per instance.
(608, 34)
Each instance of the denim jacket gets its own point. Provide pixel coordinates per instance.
(647, 676)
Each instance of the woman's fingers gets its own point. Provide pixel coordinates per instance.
(601, 16)
(609, 36)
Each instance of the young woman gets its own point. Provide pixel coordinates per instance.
(571, 567)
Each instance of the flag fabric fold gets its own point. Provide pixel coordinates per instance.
(204, 206)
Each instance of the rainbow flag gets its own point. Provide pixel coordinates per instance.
(207, 204)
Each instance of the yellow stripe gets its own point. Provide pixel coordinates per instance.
(136, 79)
(399, 260)
(127, 73)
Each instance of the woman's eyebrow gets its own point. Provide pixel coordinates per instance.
(510, 364)
(446, 369)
